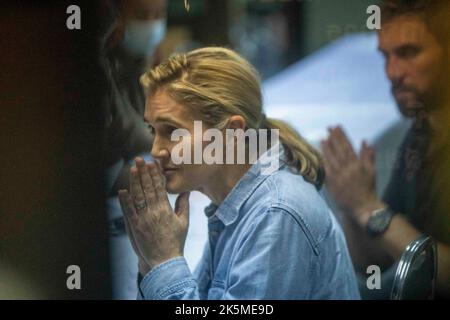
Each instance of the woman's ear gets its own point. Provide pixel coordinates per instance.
(236, 122)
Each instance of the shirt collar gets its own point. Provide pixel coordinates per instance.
(228, 211)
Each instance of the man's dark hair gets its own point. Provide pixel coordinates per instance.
(435, 13)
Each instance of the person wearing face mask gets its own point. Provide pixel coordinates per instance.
(135, 29)
(142, 37)
(131, 31)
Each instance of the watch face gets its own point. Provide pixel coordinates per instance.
(379, 222)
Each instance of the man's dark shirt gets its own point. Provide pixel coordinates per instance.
(419, 187)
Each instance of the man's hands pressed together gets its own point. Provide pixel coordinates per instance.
(350, 178)
(156, 231)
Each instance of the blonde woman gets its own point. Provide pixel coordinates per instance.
(270, 234)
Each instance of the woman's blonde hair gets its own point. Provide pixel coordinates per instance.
(219, 83)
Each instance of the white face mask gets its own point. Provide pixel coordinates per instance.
(142, 37)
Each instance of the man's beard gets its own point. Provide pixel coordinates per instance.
(414, 102)
(418, 103)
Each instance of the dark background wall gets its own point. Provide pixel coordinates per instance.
(272, 34)
(326, 20)
(51, 200)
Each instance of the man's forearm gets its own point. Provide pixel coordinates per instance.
(399, 235)
(363, 250)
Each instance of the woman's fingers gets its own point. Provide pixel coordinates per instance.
(127, 205)
(136, 191)
(158, 182)
(182, 207)
(146, 181)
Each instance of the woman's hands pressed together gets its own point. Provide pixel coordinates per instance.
(156, 231)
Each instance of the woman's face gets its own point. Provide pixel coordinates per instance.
(164, 116)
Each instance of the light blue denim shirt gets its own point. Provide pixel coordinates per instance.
(273, 237)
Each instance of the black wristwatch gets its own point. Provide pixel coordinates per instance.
(379, 222)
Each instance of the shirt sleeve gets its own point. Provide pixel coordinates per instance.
(273, 260)
(171, 280)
